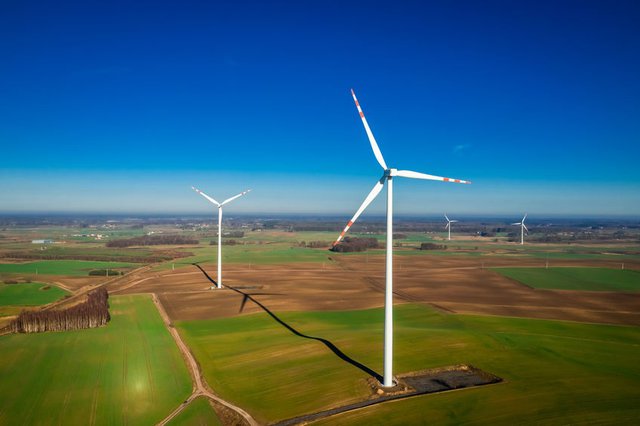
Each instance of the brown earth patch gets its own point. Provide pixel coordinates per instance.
(456, 284)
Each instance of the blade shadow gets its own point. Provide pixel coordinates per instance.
(333, 348)
(205, 274)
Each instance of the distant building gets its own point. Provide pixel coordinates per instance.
(41, 241)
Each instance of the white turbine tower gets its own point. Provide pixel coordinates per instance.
(448, 225)
(228, 200)
(387, 177)
(523, 228)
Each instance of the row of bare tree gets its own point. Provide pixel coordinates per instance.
(351, 244)
(94, 312)
(153, 240)
(44, 255)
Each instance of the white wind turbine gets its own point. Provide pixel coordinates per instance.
(387, 177)
(228, 200)
(523, 228)
(448, 225)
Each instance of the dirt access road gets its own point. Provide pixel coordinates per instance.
(200, 388)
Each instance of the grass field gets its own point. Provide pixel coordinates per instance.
(253, 253)
(29, 294)
(279, 247)
(198, 413)
(61, 267)
(72, 251)
(591, 279)
(555, 372)
(129, 371)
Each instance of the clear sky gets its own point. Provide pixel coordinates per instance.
(110, 106)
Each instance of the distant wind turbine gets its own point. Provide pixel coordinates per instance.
(523, 228)
(387, 177)
(228, 200)
(448, 225)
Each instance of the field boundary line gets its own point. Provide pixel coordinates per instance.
(200, 387)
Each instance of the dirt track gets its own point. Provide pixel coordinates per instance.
(200, 388)
(453, 284)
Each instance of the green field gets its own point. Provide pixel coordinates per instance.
(555, 372)
(591, 279)
(129, 371)
(198, 413)
(61, 267)
(29, 294)
(85, 251)
(277, 247)
(258, 254)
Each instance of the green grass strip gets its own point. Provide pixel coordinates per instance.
(570, 278)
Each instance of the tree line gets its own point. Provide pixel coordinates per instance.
(432, 246)
(92, 257)
(314, 244)
(94, 312)
(152, 240)
(226, 242)
(354, 244)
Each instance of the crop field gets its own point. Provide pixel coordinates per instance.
(277, 247)
(458, 284)
(257, 253)
(129, 371)
(590, 279)
(29, 294)
(61, 267)
(556, 372)
(198, 413)
(566, 339)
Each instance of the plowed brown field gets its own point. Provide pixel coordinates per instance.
(455, 284)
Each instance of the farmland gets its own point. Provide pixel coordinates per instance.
(198, 413)
(307, 323)
(59, 267)
(29, 294)
(588, 370)
(590, 279)
(127, 372)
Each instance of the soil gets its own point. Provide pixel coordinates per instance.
(452, 284)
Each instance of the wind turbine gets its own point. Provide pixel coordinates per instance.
(448, 225)
(387, 177)
(523, 227)
(228, 200)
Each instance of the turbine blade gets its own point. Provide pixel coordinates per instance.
(416, 175)
(206, 196)
(228, 200)
(525, 216)
(517, 223)
(445, 216)
(372, 140)
(372, 195)
(447, 225)
(453, 221)
(525, 227)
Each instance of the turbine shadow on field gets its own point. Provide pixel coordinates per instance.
(333, 348)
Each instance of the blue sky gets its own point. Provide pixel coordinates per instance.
(113, 107)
